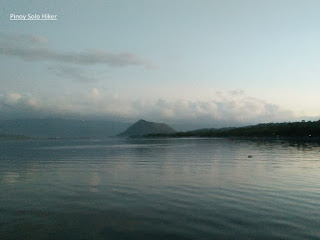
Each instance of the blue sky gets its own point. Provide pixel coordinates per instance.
(237, 62)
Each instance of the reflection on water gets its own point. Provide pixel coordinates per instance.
(159, 189)
(10, 177)
(94, 182)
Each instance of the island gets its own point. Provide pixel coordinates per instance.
(145, 128)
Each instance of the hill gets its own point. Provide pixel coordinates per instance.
(269, 130)
(143, 127)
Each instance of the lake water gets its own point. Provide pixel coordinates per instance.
(159, 189)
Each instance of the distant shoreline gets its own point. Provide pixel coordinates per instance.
(22, 137)
(230, 138)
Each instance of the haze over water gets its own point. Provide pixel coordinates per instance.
(159, 189)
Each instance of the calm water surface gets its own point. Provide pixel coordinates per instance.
(159, 189)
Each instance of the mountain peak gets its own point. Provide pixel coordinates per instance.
(141, 121)
(143, 127)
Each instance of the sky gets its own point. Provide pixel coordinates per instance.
(211, 63)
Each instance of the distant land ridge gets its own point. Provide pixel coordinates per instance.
(143, 127)
(302, 130)
(61, 127)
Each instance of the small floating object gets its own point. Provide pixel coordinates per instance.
(249, 156)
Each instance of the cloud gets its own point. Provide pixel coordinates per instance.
(34, 48)
(22, 40)
(16, 100)
(74, 73)
(13, 97)
(14, 104)
(229, 108)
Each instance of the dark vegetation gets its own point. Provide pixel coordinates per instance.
(266, 130)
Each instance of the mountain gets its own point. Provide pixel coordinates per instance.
(59, 127)
(143, 127)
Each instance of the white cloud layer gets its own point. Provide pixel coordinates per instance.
(231, 108)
